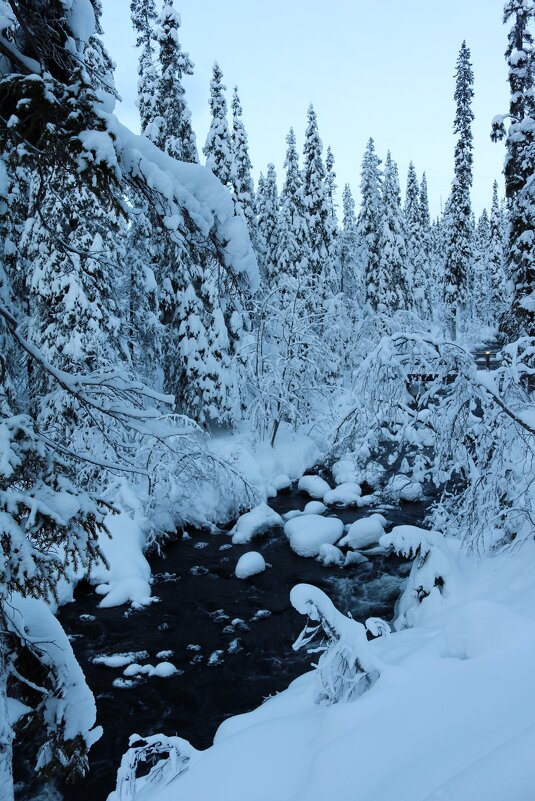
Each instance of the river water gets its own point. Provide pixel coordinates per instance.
(230, 639)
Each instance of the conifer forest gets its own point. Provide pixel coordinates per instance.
(267, 441)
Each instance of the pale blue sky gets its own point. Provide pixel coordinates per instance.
(381, 68)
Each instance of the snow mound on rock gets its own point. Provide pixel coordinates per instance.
(315, 486)
(314, 508)
(254, 523)
(364, 532)
(250, 564)
(330, 555)
(404, 488)
(347, 494)
(307, 533)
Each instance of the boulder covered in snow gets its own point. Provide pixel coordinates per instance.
(354, 558)
(330, 555)
(347, 494)
(307, 533)
(403, 488)
(314, 508)
(281, 482)
(250, 564)
(254, 523)
(364, 532)
(315, 486)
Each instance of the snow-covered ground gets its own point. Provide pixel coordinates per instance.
(451, 716)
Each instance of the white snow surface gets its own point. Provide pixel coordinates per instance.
(315, 486)
(307, 533)
(364, 532)
(254, 523)
(449, 719)
(249, 564)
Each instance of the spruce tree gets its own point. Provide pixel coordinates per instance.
(519, 318)
(218, 147)
(321, 225)
(73, 242)
(242, 180)
(459, 250)
(351, 283)
(369, 223)
(496, 265)
(268, 226)
(292, 246)
(392, 278)
(143, 13)
(171, 127)
(417, 274)
(479, 287)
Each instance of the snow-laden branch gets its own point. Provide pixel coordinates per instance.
(346, 668)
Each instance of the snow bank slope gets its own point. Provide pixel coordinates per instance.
(451, 716)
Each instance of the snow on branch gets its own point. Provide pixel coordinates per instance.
(424, 399)
(168, 758)
(346, 668)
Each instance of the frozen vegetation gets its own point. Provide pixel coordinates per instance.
(178, 346)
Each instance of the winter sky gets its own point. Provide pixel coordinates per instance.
(380, 68)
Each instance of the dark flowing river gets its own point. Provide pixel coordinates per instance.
(229, 638)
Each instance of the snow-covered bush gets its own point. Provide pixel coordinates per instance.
(166, 758)
(472, 434)
(287, 359)
(46, 526)
(432, 570)
(346, 667)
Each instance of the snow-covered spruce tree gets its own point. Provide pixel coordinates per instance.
(391, 283)
(460, 245)
(218, 147)
(321, 224)
(496, 265)
(46, 526)
(351, 279)
(330, 179)
(369, 223)
(519, 318)
(418, 278)
(433, 275)
(479, 279)
(170, 129)
(242, 181)
(267, 209)
(291, 253)
(143, 14)
(144, 328)
(73, 243)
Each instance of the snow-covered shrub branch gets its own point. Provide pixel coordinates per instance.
(346, 667)
(166, 757)
(288, 358)
(474, 430)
